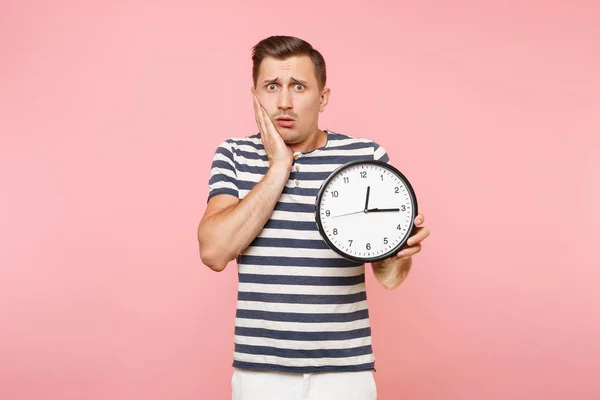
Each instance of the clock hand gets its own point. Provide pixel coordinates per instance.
(342, 215)
(367, 199)
(368, 211)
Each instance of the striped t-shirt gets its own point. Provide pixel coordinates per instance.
(301, 307)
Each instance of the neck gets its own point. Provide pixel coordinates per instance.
(316, 140)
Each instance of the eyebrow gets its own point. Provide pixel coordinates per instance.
(275, 80)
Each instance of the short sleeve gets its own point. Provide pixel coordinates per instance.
(223, 176)
(379, 153)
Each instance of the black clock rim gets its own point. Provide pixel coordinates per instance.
(321, 191)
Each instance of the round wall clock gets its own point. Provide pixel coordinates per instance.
(365, 210)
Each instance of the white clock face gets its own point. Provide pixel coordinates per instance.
(366, 211)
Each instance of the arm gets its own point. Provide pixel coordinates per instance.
(229, 225)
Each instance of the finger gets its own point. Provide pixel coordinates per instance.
(257, 105)
(257, 100)
(255, 95)
(421, 234)
(269, 122)
(256, 111)
(407, 252)
(265, 119)
(420, 219)
(260, 117)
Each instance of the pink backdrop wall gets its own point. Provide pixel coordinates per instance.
(109, 116)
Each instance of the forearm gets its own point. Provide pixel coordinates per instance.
(391, 273)
(225, 235)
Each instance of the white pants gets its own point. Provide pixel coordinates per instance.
(266, 385)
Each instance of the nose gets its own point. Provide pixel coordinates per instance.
(284, 101)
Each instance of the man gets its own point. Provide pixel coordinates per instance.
(302, 326)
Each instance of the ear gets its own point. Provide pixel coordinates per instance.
(324, 99)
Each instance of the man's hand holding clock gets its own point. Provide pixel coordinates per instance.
(413, 245)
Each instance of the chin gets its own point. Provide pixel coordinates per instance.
(289, 136)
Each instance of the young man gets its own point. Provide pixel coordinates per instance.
(302, 326)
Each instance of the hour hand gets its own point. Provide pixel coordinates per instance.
(367, 199)
(383, 209)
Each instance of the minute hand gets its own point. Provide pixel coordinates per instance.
(382, 209)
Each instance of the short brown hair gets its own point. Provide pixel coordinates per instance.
(282, 47)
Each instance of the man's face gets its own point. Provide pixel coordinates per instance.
(289, 91)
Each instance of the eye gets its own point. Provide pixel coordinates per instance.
(299, 87)
(271, 87)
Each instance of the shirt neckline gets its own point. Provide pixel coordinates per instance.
(326, 145)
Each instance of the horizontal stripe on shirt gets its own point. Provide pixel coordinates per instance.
(303, 326)
(302, 335)
(300, 289)
(303, 317)
(302, 353)
(289, 243)
(302, 344)
(300, 271)
(302, 280)
(302, 299)
(302, 308)
(297, 261)
(305, 362)
(256, 366)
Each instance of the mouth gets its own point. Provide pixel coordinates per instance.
(285, 122)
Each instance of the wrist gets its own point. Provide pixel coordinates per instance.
(391, 262)
(283, 166)
(279, 171)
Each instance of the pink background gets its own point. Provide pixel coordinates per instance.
(110, 113)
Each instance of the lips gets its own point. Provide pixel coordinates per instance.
(285, 122)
